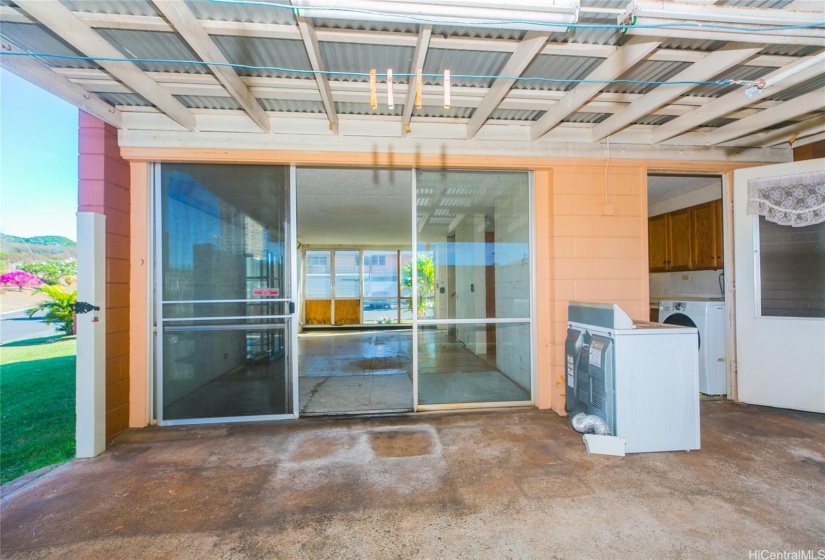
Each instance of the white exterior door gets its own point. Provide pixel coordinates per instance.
(781, 360)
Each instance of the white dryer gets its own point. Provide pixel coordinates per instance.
(708, 316)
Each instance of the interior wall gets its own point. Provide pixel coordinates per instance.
(687, 199)
(470, 282)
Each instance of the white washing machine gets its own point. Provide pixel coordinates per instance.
(708, 316)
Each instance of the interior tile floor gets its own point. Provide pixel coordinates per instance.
(356, 372)
(501, 484)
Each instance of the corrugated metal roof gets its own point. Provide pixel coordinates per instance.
(440, 111)
(36, 38)
(359, 58)
(154, 45)
(126, 99)
(292, 106)
(349, 108)
(655, 119)
(208, 102)
(516, 115)
(379, 26)
(716, 123)
(791, 50)
(649, 70)
(805, 87)
(581, 117)
(242, 12)
(754, 3)
(260, 51)
(120, 7)
(472, 63)
(478, 32)
(776, 126)
(691, 45)
(558, 68)
(736, 73)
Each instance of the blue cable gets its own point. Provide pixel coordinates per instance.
(361, 74)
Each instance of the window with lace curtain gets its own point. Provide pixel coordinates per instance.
(791, 241)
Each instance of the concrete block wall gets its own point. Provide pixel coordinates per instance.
(103, 188)
(598, 248)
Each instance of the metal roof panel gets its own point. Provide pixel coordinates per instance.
(265, 52)
(292, 106)
(119, 7)
(467, 63)
(353, 58)
(37, 38)
(125, 99)
(248, 13)
(557, 68)
(159, 45)
(646, 71)
(209, 102)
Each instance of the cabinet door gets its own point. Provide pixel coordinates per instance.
(703, 225)
(720, 234)
(679, 234)
(657, 243)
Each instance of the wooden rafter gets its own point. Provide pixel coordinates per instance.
(188, 27)
(616, 64)
(313, 49)
(41, 76)
(529, 47)
(419, 56)
(60, 20)
(728, 104)
(704, 69)
(799, 106)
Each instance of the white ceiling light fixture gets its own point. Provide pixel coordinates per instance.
(530, 15)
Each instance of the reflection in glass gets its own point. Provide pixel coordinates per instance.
(474, 363)
(474, 226)
(217, 372)
(223, 240)
(380, 273)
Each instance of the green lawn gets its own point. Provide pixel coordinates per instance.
(37, 404)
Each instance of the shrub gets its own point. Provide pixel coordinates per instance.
(50, 272)
(20, 278)
(59, 308)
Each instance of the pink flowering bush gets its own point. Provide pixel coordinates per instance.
(21, 279)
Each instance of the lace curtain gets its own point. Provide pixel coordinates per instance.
(792, 200)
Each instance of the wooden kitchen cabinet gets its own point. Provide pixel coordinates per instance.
(686, 239)
(657, 243)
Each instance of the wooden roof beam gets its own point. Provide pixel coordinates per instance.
(43, 77)
(188, 27)
(527, 50)
(704, 69)
(66, 25)
(310, 39)
(422, 44)
(634, 51)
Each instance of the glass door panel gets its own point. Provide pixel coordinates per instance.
(473, 301)
(226, 297)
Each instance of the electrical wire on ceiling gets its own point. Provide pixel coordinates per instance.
(367, 75)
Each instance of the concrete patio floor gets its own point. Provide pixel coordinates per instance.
(514, 484)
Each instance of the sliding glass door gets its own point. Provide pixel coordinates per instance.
(473, 289)
(224, 293)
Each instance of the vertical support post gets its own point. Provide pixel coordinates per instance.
(91, 335)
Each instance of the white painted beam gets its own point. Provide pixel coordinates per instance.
(803, 131)
(730, 103)
(762, 38)
(704, 69)
(313, 49)
(619, 62)
(43, 77)
(65, 24)
(528, 48)
(422, 44)
(188, 27)
(797, 107)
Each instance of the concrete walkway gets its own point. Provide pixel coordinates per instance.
(514, 484)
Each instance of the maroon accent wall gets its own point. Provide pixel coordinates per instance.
(103, 188)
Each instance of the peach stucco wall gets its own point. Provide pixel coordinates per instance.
(103, 188)
(590, 232)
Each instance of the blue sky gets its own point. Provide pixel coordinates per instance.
(38, 161)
